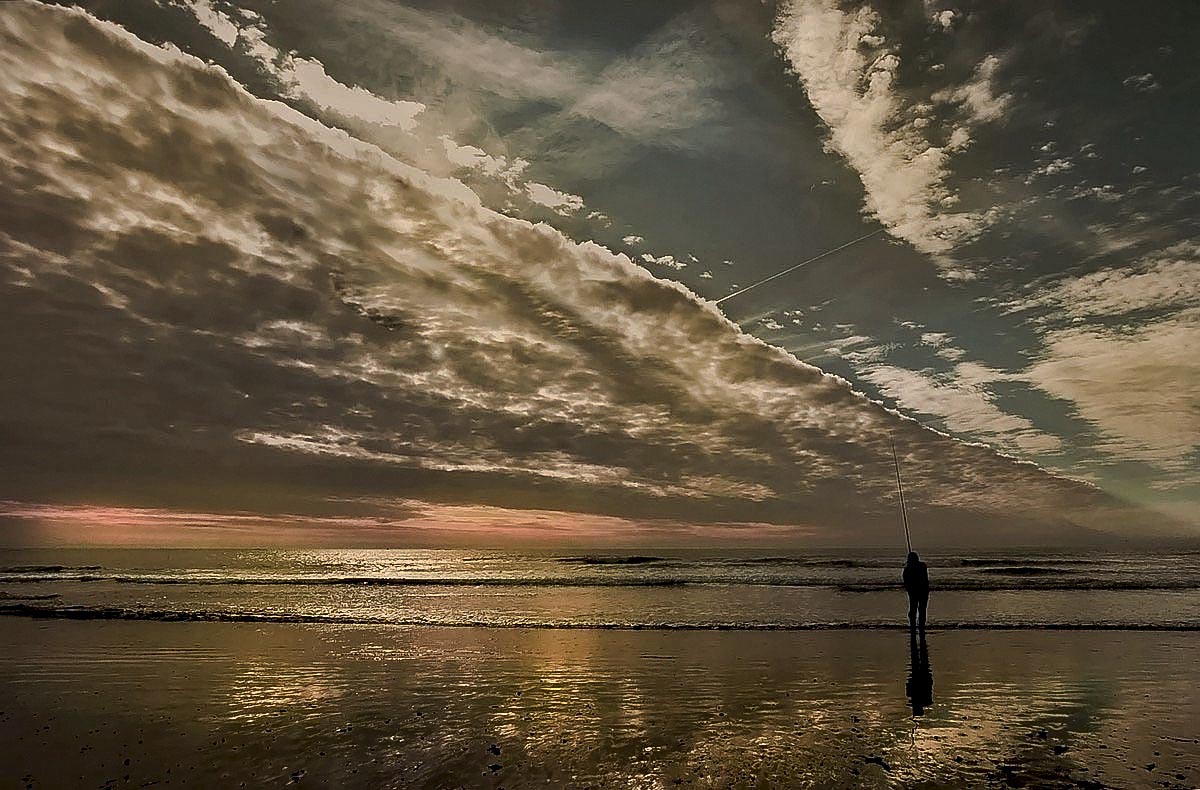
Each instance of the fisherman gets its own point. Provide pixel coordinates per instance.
(916, 583)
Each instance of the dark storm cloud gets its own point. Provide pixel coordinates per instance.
(189, 272)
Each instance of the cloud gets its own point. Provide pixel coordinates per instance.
(961, 394)
(217, 22)
(850, 73)
(473, 158)
(374, 522)
(660, 91)
(1144, 83)
(962, 399)
(239, 297)
(943, 345)
(562, 202)
(1162, 281)
(1137, 387)
(632, 241)
(1120, 345)
(304, 78)
(978, 96)
(840, 345)
(466, 54)
(669, 261)
(1052, 167)
(1115, 344)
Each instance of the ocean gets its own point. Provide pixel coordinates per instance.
(668, 589)
(647, 669)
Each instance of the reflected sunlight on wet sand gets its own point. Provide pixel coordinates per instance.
(216, 704)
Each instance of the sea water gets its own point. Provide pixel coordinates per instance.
(655, 589)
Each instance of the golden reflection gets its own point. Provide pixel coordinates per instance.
(262, 689)
(435, 707)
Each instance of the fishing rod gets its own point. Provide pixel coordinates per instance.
(900, 489)
(791, 269)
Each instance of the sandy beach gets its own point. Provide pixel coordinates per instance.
(132, 704)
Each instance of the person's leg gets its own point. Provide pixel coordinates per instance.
(912, 612)
(922, 605)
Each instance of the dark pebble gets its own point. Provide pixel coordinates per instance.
(877, 760)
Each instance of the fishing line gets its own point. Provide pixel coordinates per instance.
(900, 490)
(791, 269)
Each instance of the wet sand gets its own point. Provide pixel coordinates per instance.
(132, 704)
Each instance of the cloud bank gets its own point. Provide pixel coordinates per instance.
(210, 287)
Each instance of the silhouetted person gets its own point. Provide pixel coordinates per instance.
(916, 582)
(919, 687)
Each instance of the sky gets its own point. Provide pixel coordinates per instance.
(376, 272)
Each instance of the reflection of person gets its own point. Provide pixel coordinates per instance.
(919, 687)
(916, 582)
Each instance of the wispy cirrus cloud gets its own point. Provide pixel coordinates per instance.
(658, 92)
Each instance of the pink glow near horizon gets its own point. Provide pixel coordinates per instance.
(410, 523)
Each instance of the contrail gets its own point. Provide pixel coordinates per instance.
(798, 265)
